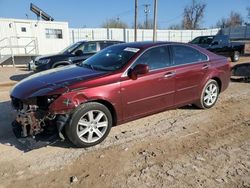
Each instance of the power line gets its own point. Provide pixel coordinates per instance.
(172, 19)
(127, 12)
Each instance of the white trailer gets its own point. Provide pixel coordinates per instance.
(22, 38)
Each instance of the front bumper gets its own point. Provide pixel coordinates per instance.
(37, 68)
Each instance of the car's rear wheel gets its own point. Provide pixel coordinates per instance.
(209, 95)
(90, 124)
(235, 57)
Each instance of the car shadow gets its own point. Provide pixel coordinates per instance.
(7, 136)
(189, 107)
(19, 77)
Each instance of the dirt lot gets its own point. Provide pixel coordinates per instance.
(185, 147)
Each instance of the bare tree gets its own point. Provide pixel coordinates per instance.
(222, 23)
(175, 27)
(114, 23)
(234, 20)
(193, 15)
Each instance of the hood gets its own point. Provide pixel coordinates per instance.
(52, 56)
(52, 80)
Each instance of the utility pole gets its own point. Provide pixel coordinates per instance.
(146, 11)
(155, 20)
(135, 26)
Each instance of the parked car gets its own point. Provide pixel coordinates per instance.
(220, 44)
(119, 84)
(75, 53)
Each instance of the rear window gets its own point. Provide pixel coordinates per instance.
(186, 55)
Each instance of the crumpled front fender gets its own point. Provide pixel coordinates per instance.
(67, 102)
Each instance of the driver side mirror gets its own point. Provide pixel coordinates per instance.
(79, 53)
(138, 70)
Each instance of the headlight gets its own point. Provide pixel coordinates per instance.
(44, 61)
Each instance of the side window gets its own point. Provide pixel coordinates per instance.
(53, 33)
(196, 40)
(89, 47)
(105, 45)
(221, 39)
(185, 55)
(155, 58)
(224, 39)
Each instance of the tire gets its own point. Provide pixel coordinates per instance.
(235, 57)
(209, 95)
(89, 125)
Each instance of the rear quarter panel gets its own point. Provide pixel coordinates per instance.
(219, 69)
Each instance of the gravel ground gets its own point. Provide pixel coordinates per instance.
(186, 147)
(9, 74)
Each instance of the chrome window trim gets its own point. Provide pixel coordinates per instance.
(125, 73)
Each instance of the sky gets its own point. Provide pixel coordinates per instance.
(92, 13)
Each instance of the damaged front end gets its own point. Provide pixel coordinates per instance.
(34, 117)
(44, 101)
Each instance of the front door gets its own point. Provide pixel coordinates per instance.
(24, 39)
(150, 92)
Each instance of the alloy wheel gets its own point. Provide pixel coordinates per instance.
(92, 126)
(211, 94)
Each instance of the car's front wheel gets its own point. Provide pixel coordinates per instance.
(209, 95)
(89, 125)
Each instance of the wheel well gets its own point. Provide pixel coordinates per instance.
(61, 63)
(111, 109)
(218, 81)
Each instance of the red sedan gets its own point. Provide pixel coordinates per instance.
(117, 85)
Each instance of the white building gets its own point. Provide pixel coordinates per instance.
(22, 38)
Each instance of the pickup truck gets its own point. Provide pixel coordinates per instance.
(220, 44)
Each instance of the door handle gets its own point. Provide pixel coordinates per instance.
(204, 67)
(169, 74)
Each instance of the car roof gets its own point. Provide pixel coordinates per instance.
(211, 35)
(101, 41)
(146, 44)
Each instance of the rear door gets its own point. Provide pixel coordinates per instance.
(191, 67)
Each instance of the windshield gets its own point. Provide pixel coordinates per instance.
(111, 58)
(70, 48)
(203, 40)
